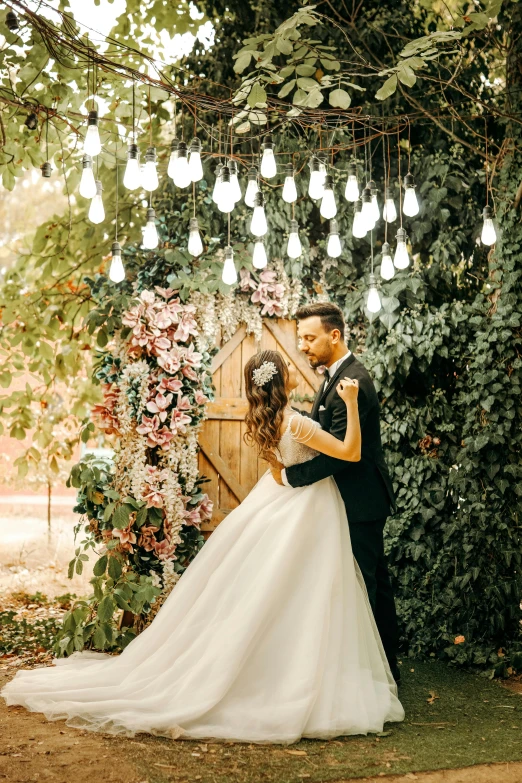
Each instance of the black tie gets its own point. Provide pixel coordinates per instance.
(326, 378)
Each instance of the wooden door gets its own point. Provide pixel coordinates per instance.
(231, 466)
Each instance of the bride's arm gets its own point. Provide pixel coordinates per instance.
(349, 450)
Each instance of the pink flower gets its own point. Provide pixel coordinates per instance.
(166, 293)
(200, 398)
(148, 424)
(133, 317)
(164, 550)
(153, 498)
(186, 327)
(178, 422)
(148, 297)
(193, 518)
(206, 508)
(160, 438)
(127, 538)
(170, 361)
(267, 276)
(146, 538)
(159, 405)
(189, 373)
(183, 404)
(172, 384)
(247, 282)
(192, 357)
(157, 345)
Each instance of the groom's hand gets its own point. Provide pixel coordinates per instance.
(276, 472)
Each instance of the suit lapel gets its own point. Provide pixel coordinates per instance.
(333, 380)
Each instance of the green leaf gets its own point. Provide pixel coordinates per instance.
(121, 516)
(388, 88)
(256, 96)
(115, 569)
(339, 99)
(284, 45)
(406, 75)
(286, 88)
(141, 516)
(242, 62)
(100, 566)
(106, 608)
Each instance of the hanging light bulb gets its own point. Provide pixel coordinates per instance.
(181, 167)
(150, 232)
(92, 143)
(132, 176)
(259, 258)
(268, 161)
(367, 209)
(194, 161)
(87, 183)
(389, 212)
(174, 144)
(258, 224)
(226, 201)
(289, 188)
(294, 248)
(229, 275)
(333, 247)
(376, 214)
(195, 245)
(46, 169)
(401, 258)
(489, 235)
(217, 183)
(252, 187)
(316, 183)
(31, 121)
(387, 268)
(96, 210)
(234, 181)
(373, 301)
(359, 227)
(116, 271)
(150, 180)
(351, 192)
(328, 206)
(410, 206)
(322, 167)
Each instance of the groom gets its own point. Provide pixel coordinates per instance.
(365, 486)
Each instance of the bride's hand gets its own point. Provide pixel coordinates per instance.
(348, 389)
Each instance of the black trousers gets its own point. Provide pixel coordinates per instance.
(368, 550)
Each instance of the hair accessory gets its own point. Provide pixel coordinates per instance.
(264, 373)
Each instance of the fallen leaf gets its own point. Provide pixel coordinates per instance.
(384, 733)
(432, 697)
(296, 752)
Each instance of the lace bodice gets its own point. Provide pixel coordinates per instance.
(290, 450)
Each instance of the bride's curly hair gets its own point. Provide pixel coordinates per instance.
(266, 404)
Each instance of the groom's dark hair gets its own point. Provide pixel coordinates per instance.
(331, 316)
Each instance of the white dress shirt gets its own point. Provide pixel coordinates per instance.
(332, 369)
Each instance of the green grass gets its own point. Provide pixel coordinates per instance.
(473, 721)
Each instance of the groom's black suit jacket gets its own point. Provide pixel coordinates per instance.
(365, 486)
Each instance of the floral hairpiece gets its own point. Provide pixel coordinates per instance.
(264, 373)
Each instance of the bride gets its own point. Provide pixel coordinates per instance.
(269, 635)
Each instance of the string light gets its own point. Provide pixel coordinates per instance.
(373, 301)
(316, 183)
(389, 211)
(289, 188)
(92, 143)
(259, 258)
(387, 267)
(217, 183)
(367, 210)
(116, 271)
(150, 180)
(376, 214)
(294, 247)
(96, 210)
(181, 171)
(328, 206)
(401, 259)
(268, 161)
(359, 227)
(258, 224)
(488, 235)
(195, 245)
(132, 176)
(194, 161)
(225, 194)
(333, 246)
(411, 205)
(351, 192)
(87, 183)
(150, 233)
(229, 275)
(252, 187)
(234, 181)
(174, 144)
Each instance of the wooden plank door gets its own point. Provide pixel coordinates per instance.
(231, 466)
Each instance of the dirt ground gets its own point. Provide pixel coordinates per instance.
(32, 749)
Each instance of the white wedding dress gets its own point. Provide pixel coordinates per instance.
(267, 637)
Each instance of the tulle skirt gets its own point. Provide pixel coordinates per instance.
(267, 637)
